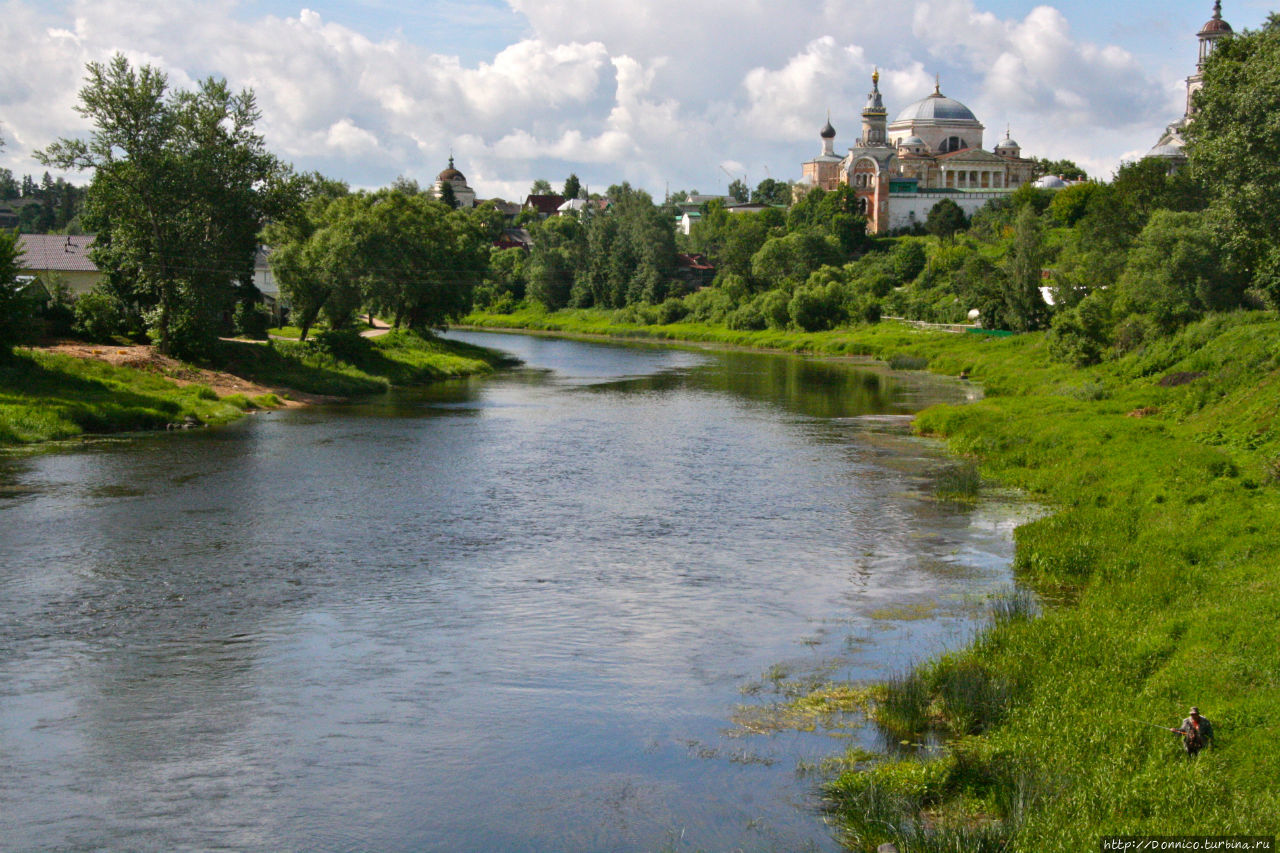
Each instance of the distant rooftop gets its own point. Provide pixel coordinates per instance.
(56, 252)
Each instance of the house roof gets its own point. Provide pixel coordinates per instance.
(56, 252)
(694, 262)
(547, 204)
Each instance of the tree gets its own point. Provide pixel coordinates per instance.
(447, 196)
(770, 191)
(182, 184)
(738, 189)
(1065, 169)
(1070, 204)
(572, 187)
(794, 256)
(421, 259)
(1234, 151)
(540, 187)
(945, 219)
(630, 253)
(1025, 308)
(17, 312)
(559, 247)
(1174, 271)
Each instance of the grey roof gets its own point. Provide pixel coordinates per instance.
(56, 252)
(1172, 152)
(936, 107)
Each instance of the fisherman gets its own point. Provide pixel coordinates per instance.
(1196, 731)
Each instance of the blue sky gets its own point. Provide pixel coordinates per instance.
(662, 93)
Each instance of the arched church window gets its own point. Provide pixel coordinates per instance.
(862, 206)
(953, 143)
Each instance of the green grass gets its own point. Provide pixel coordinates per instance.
(47, 396)
(396, 358)
(1158, 574)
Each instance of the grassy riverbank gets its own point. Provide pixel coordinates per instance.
(1159, 573)
(47, 396)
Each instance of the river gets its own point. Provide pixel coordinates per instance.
(514, 613)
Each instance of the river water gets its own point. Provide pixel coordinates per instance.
(514, 613)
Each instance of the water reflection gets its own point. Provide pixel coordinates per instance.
(505, 614)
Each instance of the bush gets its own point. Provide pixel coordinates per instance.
(252, 321)
(58, 313)
(99, 316)
(709, 305)
(906, 261)
(773, 306)
(341, 344)
(672, 310)
(639, 314)
(1079, 335)
(748, 318)
(816, 309)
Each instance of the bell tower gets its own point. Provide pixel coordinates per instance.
(874, 117)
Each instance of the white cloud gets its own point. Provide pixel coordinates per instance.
(651, 92)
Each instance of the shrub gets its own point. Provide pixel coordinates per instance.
(816, 309)
(748, 318)
(672, 310)
(341, 344)
(252, 321)
(99, 316)
(774, 306)
(1079, 335)
(709, 305)
(639, 314)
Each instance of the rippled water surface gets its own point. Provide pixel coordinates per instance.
(516, 613)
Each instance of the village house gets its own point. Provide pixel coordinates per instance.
(59, 258)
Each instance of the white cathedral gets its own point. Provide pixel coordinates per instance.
(931, 151)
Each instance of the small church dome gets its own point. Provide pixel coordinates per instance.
(828, 132)
(451, 174)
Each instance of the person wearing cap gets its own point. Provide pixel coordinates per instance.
(1196, 731)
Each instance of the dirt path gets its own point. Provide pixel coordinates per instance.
(147, 359)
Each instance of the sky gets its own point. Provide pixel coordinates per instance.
(666, 94)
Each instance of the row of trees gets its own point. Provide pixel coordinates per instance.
(45, 206)
(396, 252)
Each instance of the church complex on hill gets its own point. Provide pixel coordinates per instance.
(933, 151)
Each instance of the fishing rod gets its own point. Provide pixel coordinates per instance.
(1145, 723)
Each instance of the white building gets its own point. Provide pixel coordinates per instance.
(462, 194)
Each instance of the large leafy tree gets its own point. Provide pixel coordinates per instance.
(1234, 151)
(182, 184)
(403, 255)
(1174, 271)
